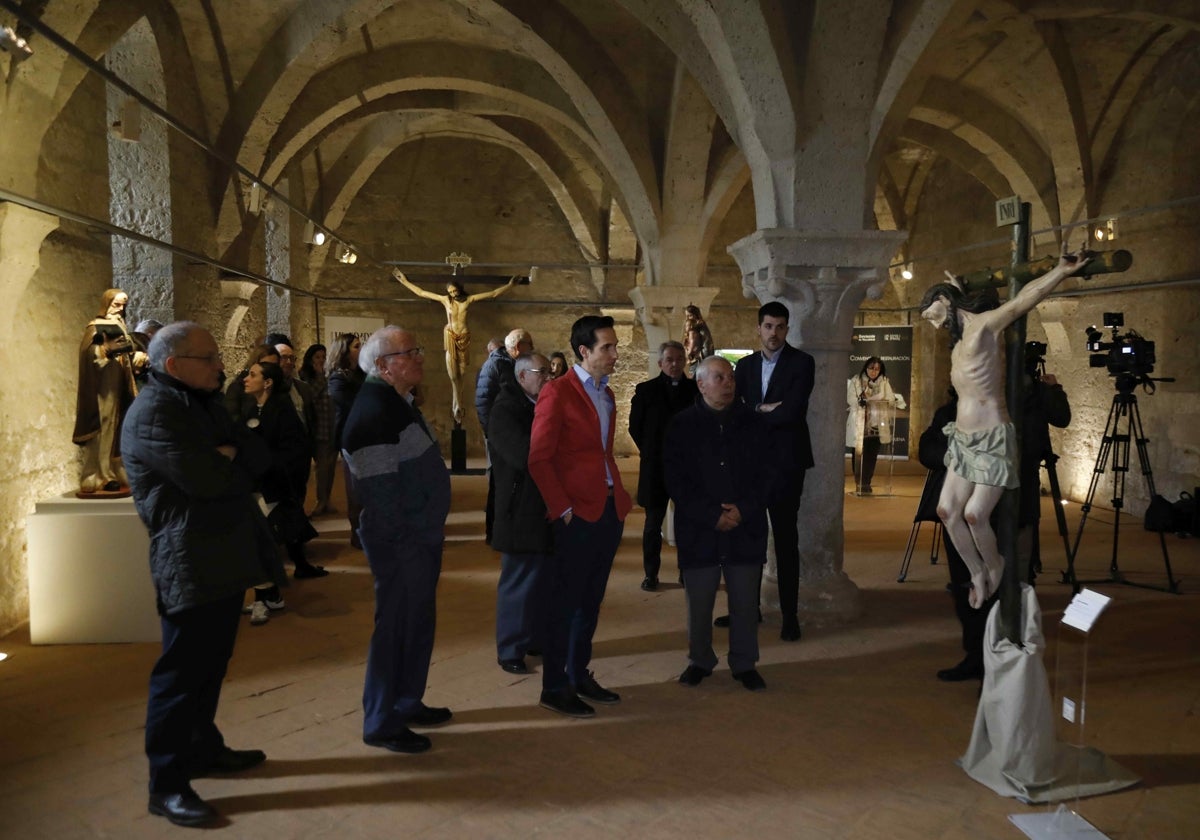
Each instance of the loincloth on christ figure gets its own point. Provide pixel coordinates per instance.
(984, 457)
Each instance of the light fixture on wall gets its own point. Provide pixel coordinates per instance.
(14, 44)
(1106, 231)
(347, 255)
(254, 199)
(3, 656)
(313, 235)
(907, 272)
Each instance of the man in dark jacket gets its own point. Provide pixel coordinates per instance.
(192, 471)
(496, 371)
(718, 472)
(655, 402)
(521, 531)
(404, 488)
(776, 382)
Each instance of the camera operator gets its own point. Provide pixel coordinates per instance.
(1045, 404)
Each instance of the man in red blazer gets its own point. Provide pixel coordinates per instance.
(571, 461)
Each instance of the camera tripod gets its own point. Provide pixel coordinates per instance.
(1114, 444)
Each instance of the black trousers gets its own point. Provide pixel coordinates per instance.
(579, 569)
(783, 512)
(185, 686)
(652, 541)
(870, 454)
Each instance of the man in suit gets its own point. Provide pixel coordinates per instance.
(655, 402)
(521, 531)
(571, 461)
(776, 382)
(404, 488)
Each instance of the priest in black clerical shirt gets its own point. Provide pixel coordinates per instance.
(655, 402)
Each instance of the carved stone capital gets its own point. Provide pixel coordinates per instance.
(661, 311)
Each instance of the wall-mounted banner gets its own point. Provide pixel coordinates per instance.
(335, 325)
(892, 344)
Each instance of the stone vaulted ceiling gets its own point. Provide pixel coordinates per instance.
(644, 119)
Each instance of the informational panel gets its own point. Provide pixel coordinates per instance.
(892, 344)
(335, 325)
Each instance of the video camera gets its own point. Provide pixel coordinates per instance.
(1035, 358)
(1127, 353)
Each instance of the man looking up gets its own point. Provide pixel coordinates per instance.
(777, 382)
(571, 460)
(521, 531)
(192, 472)
(404, 488)
(655, 402)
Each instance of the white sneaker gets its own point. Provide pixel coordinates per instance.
(259, 614)
(276, 604)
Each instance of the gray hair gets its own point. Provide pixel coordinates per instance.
(514, 338)
(670, 345)
(528, 361)
(372, 348)
(170, 341)
(703, 368)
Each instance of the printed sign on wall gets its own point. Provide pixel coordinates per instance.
(335, 325)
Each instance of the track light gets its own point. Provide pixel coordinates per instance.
(1105, 232)
(13, 43)
(907, 272)
(347, 255)
(313, 235)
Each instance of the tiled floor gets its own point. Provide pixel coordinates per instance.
(854, 737)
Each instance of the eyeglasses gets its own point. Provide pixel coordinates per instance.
(412, 351)
(212, 358)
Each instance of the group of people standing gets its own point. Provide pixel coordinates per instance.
(218, 479)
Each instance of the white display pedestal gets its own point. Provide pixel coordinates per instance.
(89, 573)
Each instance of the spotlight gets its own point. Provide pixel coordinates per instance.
(907, 272)
(13, 43)
(3, 656)
(313, 235)
(347, 255)
(1105, 232)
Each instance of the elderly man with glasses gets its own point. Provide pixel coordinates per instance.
(521, 532)
(192, 471)
(404, 487)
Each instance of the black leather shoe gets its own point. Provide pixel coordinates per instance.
(751, 680)
(693, 674)
(404, 741)
(534, 652)
(514, 666)
(650, 584)
(235, 761)
(590, 689)
(430, 716)
(790, 631)
(965, 670)
(183, 808)
(309, 571)
(565, 702)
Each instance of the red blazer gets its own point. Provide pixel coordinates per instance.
(565, 458)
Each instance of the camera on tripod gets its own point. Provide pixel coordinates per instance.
(1035, 358)
(1126, 353)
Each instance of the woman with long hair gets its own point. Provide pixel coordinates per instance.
(344, 379)
(312, 372)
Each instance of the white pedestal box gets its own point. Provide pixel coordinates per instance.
(89, 573)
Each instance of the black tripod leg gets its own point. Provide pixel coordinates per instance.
(908, 552)
(1097, 472)
(1060, 515)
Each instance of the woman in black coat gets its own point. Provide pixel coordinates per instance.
(267, 411)
(344, 380)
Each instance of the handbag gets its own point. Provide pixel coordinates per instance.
(1160, 514)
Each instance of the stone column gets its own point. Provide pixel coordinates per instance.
(660, 309)
(237, 296)
(822, 277)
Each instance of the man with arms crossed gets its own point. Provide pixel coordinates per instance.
(571, 460)
(776, 382)
(192, 472)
